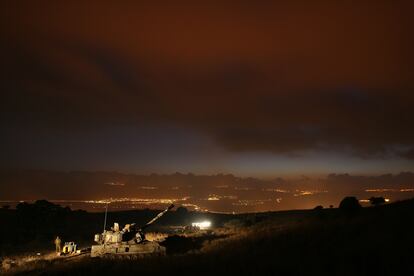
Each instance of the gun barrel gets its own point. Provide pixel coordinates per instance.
(157, 217)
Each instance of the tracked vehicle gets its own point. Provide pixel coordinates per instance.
(128, 242)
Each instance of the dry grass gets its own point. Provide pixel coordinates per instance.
(156, 236)
(374, 242)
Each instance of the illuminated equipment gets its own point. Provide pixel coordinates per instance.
(69, 248)
(202, 225)
(129, 241)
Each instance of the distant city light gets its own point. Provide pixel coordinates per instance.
(307, 193)
(364, 200)
(213, 198)
(369, 201)
(114, 184)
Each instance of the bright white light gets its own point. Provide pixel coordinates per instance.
(202, 224)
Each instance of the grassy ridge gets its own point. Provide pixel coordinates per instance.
(374, 241)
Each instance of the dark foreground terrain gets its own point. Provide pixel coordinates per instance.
(363, 241)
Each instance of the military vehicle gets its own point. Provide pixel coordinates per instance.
(69, 248)
(129, 242)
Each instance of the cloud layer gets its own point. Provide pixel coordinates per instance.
(285, 77)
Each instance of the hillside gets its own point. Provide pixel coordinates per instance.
(372, 241)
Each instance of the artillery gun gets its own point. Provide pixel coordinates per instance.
(128, 242)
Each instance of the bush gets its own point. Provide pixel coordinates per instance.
(234, 224)
(377, 200)
(350, 204)
(182, 210)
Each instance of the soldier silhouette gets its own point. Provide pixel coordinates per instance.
(58, 243)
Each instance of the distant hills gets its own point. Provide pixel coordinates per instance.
(35, 184)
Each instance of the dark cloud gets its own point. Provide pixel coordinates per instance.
(282, 77)
(409, 154)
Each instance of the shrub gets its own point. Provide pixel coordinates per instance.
(377, 200)
(350, 204)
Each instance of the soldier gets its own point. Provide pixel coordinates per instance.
(58, 243)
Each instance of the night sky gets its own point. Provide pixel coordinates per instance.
(253, 88)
